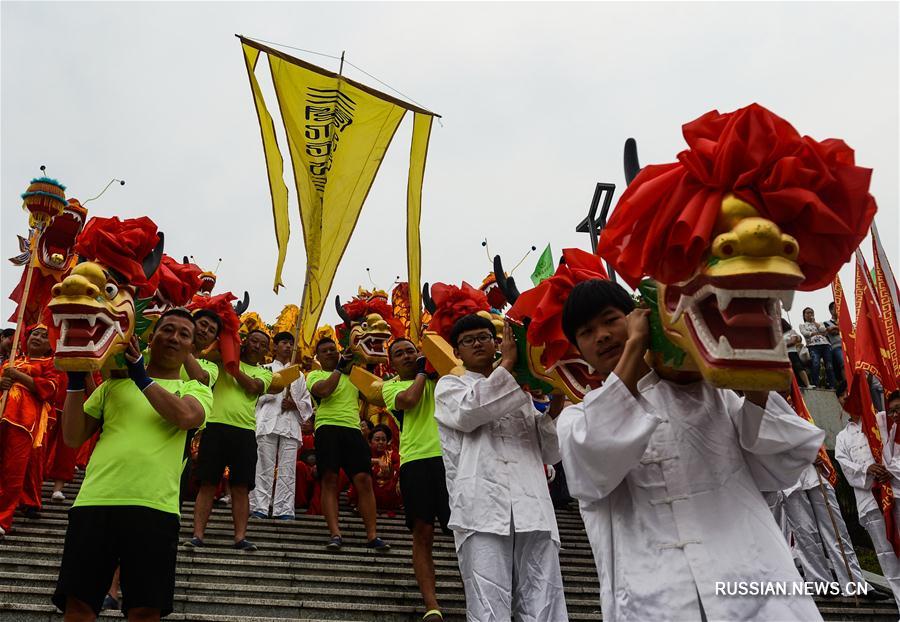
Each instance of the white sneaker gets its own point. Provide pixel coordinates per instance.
(58, 496)
(226, 499)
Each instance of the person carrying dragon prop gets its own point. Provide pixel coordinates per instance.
(368, 327)
(716, 243)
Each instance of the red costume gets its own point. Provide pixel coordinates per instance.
(22, 433)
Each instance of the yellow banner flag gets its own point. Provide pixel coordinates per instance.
(338, 131)
(417, 154)
(274, 165)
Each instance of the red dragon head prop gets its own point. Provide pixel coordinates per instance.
(98, 306)
(750, 212)
(178, 284)
(53, 256)
(547, 361)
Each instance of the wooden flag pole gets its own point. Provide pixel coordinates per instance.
(837, 534)
(20, 320)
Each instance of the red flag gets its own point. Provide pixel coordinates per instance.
(799, 406)
(871, 350)
(859, 405)
(848, 332)
(886, 303)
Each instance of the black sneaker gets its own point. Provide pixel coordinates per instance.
(245, 545)
(194, 543)
(31, 513)
(335, 543)
(379, 545)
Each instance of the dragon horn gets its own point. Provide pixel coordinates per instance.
(151, 261)
(427, 302)
(632, 165)
(184, 260)
(340, 311)
(506, 284)
(242, 305)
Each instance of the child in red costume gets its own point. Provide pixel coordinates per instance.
(31, 382)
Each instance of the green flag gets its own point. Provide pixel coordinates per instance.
(544, 267)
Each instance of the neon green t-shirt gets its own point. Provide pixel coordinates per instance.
(138, 457)
(209, 367)
(234, 406)
(341, 408)
(419, 436)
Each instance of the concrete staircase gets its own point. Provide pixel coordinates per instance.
(293, 577)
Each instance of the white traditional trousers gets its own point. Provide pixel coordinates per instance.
(515, 576)
(889, 562)
(272, 448)
(817, 542)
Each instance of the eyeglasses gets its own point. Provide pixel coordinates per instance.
(469, 340)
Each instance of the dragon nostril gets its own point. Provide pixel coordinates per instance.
(788, 249)
(727, 250)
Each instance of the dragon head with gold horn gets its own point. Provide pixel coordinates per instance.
(178, 284)
(718, 241)
(368, 326)
(98, 307)
(548, 363)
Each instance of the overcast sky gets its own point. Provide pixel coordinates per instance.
(537, 100)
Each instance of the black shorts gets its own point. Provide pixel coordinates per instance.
(143, 542)
(224, 445)
(339, 448)
(423, 484)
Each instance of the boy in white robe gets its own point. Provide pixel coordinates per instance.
(668, 478)
(495, 444)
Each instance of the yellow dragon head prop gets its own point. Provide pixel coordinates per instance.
(719, 240)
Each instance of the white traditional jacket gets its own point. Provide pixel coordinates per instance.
(669, 487)
(271, 419)
(495, 444)
(851, 449)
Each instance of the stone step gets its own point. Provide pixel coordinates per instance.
(283, 532)
(289, 597)
(305, 579)
(293, 577)
(14, 612)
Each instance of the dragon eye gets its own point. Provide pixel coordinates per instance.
(365, 325)
(111, 290)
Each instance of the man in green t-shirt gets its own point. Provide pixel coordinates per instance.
(126, 512)
(207, 325)
(229, 439)
(339, 445)
(423, 482)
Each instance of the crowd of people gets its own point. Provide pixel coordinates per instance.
(816, 351)
(683, 498)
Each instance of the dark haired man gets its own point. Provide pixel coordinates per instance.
(668, 476)
(207, 325)
(278, 419)
(126, 512)
(410, 398)
(495, 445)
(339, 445)
(229, 439)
